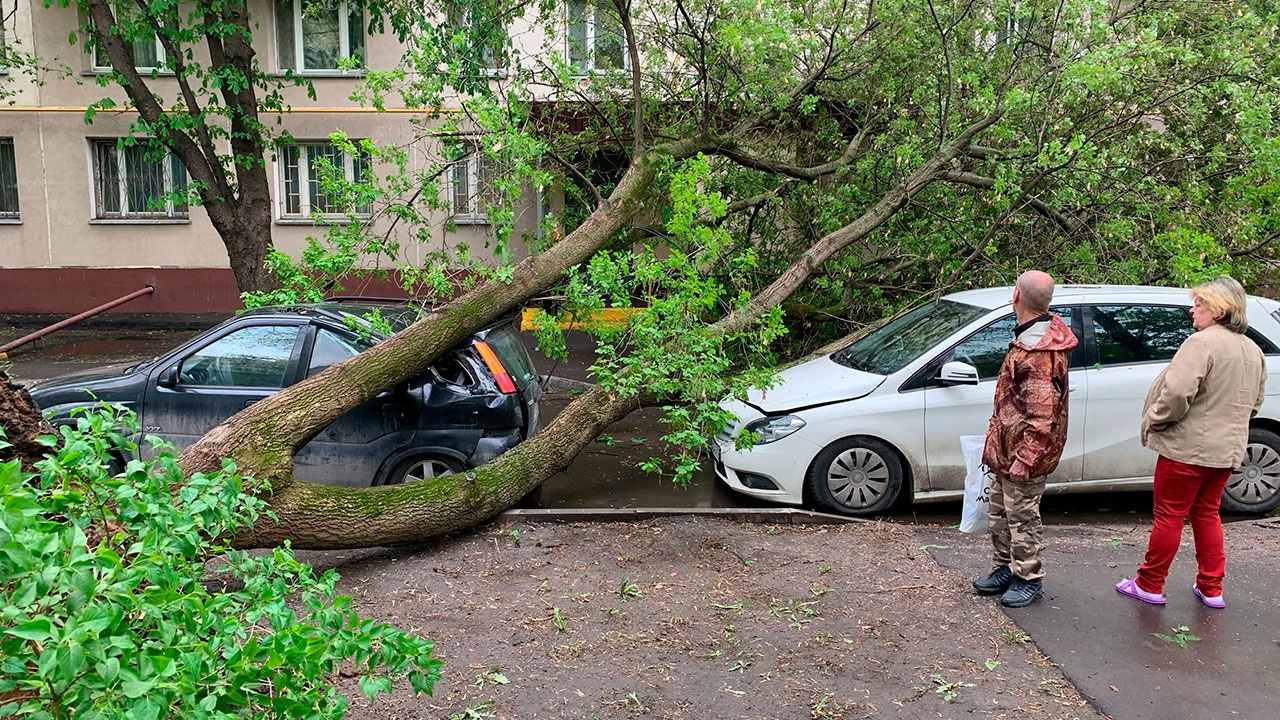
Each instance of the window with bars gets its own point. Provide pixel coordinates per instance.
(472, 185)
(319, 39)
(595, 38)
(144, 46)
(133, 182)
(302, 191)
(8, 181)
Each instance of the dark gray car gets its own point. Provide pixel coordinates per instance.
(477, 401)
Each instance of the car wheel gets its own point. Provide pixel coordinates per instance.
(1254, 487)
(422, 468)
(855, 476)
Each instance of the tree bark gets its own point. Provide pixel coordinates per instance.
(327, 517)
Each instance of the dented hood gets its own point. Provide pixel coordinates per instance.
(817, 382)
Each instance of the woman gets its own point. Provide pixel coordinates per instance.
(1196, 417)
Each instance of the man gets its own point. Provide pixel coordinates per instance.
(1025, 438)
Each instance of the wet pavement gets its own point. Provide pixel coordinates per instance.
(1103, 642)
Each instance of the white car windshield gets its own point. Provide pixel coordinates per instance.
(890, 347)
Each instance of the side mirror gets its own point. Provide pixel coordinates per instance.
(168, 378)
(957, 373)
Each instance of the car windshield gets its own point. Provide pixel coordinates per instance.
(890, 347)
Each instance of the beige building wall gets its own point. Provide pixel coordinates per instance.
(57, 228)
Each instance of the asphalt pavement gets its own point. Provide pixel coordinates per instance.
(1109, 645)
(1105, 643)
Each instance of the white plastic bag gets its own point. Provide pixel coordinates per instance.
(977, 486)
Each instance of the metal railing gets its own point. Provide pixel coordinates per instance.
(4, 349)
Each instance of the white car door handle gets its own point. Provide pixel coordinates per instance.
(1071, 388)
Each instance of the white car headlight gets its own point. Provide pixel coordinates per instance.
(768, 430)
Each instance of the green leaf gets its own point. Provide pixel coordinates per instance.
(137, 688)
(38, 629)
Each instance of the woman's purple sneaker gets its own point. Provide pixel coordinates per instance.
(1213, 601)
(1130, 588)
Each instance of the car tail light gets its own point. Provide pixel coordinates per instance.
(491, 361)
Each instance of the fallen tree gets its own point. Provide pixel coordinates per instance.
(921, 146)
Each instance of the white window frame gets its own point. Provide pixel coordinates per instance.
(171, 212)
(9, 216)
(592, 31)
(305, 213)
(299, 42)
(478, 197)
(161, 56)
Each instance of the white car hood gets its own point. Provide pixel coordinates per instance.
(817, 382)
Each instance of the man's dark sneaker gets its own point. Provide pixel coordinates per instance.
(1022, 593)
(997, 582)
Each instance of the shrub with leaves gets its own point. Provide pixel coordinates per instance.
(108, 608)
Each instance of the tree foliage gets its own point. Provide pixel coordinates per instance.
(111, 611)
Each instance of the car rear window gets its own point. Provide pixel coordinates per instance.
(507, 346)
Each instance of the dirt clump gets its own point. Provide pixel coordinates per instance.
(698, 618)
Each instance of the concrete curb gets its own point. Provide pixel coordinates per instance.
(785, 516)
(568, 384)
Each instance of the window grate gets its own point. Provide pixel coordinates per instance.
(8, 181)
(303, 192)
(131, 183)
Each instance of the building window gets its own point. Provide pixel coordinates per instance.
(8, 181)
(319, 36)
(595, 38)
(144, 46)
(472, 186)
(133, 182)
(480, 40)
(302, 173)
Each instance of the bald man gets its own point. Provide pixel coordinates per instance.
(1025, 438)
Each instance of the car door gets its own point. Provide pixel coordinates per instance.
(1131, 344)
(351, 449)
(211, 382)
(952, 411)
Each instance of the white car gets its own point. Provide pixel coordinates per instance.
(880, 420)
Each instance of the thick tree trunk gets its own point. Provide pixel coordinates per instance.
(327, 517)
(22, 423)
(247, 237)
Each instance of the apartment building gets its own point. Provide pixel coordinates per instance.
(80, 223)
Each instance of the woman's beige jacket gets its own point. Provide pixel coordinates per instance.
(1198, 410)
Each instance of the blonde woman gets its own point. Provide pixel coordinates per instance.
(1196, 417)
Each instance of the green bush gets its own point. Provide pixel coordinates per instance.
(107, 609)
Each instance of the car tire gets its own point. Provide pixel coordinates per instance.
(1254, 487)
(421, 467)
(855, 476)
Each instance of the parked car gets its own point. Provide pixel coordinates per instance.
(880, 420)
(477, 401)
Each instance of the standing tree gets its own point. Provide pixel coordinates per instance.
(192, 72)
